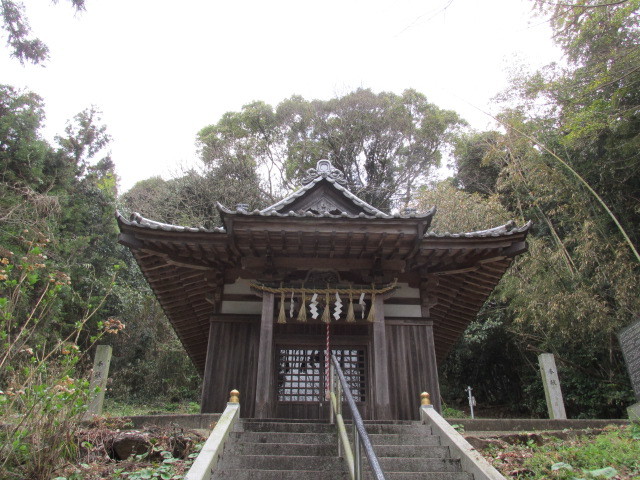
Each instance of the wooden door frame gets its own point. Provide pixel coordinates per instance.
(319, 342)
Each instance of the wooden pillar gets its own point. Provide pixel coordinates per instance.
(433, 384)
(207, 402)
(382, 406)
(264, 382)
(427, 302)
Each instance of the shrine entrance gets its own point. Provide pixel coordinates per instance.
(301, 368)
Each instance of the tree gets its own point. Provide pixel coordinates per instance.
(22, 153)
(59, 201)
(23, 46)
(488, 356)
(475, 173)
(56, 272)
(84, 137)
(459, 211)
(191, 198)
(578, 286)
(591, 104)
(386, 144)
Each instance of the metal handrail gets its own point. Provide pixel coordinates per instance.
(360, 435)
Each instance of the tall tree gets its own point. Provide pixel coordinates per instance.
(591, 104)
(386, 144)
(191, 197)
(569, 131)
(477, 168)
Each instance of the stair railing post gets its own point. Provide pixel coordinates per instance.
(332, 419)
(335, 394)
(425, 402)
(358, 456)
(338, 396)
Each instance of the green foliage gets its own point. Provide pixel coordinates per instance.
(58, 260)
(386, 144)
(191, 199)
(593, 103)
(613, 453)
(14, 22)
(24, 157)
(460, 211)
(475, 173)
(141, 404)
(579, 283)
(43, 393)
(486, 356)
(161, 462)
(450, 412)
(84, 138)
(153, 367)
(169, 468)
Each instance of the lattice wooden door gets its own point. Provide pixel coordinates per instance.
(301, 379)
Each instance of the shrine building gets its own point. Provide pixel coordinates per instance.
(256, 301)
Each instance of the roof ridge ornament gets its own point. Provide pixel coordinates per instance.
(324, 169)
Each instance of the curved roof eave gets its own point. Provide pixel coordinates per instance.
(137, 220)
(507, 229)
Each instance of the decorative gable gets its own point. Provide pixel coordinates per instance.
(322, 198)
(323, 192)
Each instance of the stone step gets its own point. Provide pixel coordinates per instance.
(286, 420)
(398, 429)
(240, 474)
(285, 449)
(282, 462)
(285, 437)
(306, 427)
(412, 451)
(393, 422)
(420, 476)
(292, 449)
(400, 464)
(325, 421)
(409, 439)
(285, 427)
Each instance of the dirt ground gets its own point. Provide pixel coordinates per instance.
(109, 449)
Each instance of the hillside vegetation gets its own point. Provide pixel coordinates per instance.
(565, 153)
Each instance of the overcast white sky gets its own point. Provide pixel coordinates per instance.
(161, 70)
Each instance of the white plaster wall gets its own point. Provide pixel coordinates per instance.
(240, 287)
(250, 308)
(400, 310)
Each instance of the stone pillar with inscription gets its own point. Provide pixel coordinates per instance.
(551, 383)
(99, 377)
(629, 339)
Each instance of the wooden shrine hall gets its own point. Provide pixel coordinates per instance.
(257, 301)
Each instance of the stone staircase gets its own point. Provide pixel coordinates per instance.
(302, 449)
(408, 451)
(278, 449)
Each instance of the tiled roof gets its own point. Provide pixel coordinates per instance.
(138, 220)
(503, 230)
(272, 212)
(372, 211)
